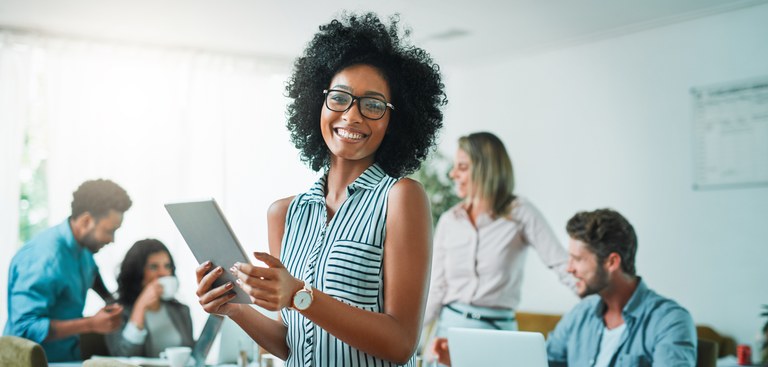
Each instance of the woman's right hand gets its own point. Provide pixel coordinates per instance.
(440, 349)
(214, 300)
(149, 298)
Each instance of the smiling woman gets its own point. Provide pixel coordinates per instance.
(349, 261)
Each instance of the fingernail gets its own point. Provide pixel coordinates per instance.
(240, 282)
(219, 269)
(230, 285)
(207, 263)
(233, 269)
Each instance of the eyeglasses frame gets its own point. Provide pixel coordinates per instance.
(355, 98)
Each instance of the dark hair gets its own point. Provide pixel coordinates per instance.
(413, 78)
(606, 231)
(131, 277)
(98, 197)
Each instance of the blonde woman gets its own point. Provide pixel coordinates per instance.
(480, 244)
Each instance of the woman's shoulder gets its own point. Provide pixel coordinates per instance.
(407, 183)
(406, 190)
(175, 306)
(280, 206)
(406, 195)
(520, 208)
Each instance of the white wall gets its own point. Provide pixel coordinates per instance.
(608, 124)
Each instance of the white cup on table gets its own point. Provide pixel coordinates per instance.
(176, 356)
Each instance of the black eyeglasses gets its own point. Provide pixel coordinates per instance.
(370, 107)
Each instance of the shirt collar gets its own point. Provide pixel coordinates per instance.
(633, 305)
(65, 231)
(636, 301)
(461, 213)
(368, 180)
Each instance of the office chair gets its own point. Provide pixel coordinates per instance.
(93, 344)
(706, 353)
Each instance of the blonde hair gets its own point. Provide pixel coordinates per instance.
(492, 175)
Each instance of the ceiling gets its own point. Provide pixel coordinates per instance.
(454, 31)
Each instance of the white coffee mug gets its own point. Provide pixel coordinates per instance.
(170, 286)
(176, 356)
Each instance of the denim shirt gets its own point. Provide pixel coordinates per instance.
(48, 280)
(659, 332)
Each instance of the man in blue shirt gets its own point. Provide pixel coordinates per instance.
(620, 321)
(51, 274)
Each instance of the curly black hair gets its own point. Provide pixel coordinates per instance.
(606, 231)
(98, 197)
(413, 78)
(131, 276)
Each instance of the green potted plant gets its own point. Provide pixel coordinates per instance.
(433, 174)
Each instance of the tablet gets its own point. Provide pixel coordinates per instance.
(208, 235)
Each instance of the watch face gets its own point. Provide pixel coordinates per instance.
(301, 300)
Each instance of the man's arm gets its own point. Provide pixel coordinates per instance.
(105, 321)
(101, 289)
(557, 341)
(557, 346)
(32, 292)
(675, 339)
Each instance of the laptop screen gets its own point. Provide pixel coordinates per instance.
(206, 338)
(477, 347)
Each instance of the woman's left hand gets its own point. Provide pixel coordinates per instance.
(271, 288)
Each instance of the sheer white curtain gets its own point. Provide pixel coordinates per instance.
(167, 125)
(16, 80)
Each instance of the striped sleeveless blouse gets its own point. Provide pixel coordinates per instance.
(342, 259)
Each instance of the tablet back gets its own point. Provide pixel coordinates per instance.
(208, 235)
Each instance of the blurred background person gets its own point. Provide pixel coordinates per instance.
(153, 318)
(620, 320)
(50, 275)
(480, 244)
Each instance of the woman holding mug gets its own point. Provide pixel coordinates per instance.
(153, 318)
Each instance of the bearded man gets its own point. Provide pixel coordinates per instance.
(620, 321)
(51, 274)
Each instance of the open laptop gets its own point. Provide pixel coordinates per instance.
(199, 351)
(478, 347)
(206, 338)
(233, 339)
